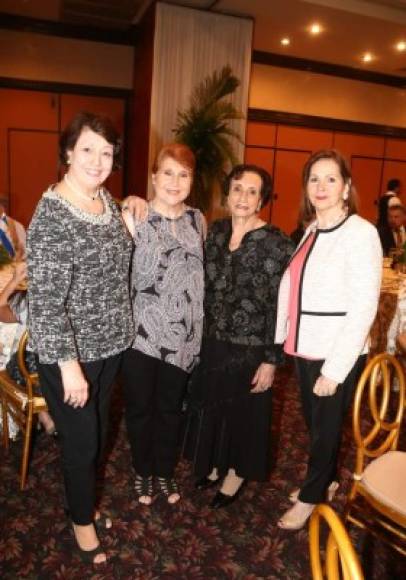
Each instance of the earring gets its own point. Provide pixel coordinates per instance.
(68, 161)
(259, 208)
(345, 195)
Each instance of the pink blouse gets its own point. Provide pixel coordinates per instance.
(295, 272)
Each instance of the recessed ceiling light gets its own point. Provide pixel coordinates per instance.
(401, 46)
(367, 57)
(315, 28)
(285, 41)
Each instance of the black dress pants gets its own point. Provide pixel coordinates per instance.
(153, 392)
(82, 431)
(324, 418)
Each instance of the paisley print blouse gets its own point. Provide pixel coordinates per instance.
(167, 286)
(242, 287)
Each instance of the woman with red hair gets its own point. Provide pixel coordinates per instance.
(167, 287)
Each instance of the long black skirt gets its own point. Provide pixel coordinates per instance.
(228, 426)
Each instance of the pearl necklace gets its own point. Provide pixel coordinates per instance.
(80, 193)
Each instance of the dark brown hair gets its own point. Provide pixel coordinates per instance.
(306, 209)
(179, 152)
(100, 125)
(238, 171)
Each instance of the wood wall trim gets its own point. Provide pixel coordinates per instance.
(326, 123)
(66, 30)
(326, 68)
(57, 87)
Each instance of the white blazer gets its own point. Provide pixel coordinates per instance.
(338, 295)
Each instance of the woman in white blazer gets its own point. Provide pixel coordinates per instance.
(327, 302)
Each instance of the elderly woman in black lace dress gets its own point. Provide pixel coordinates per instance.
(228, 431)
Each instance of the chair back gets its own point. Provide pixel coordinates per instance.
(30, 379)
(381, 434)
(341, 560)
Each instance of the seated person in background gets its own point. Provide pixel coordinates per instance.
(392, 234)
(12, 235)
(13, 308)
(388, 199)
(397, 330)
(396, 337)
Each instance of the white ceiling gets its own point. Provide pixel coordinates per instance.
(350, 27)
(349, 31)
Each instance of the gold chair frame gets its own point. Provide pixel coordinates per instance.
(385, 523)
(340, 554)
(22, 404)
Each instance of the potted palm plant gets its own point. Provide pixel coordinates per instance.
(205, 128)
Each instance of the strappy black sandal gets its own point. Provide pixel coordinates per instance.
(144, 489)
(169, 488)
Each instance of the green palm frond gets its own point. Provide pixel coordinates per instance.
(205, 128)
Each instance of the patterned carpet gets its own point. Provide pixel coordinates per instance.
(188, 541)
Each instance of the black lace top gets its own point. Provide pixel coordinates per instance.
(242, 286)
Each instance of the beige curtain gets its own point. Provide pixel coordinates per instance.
(189, 45)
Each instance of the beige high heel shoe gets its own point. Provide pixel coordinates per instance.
(331, 491)
(296, 517)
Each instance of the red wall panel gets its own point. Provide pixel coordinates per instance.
(366, 175)
(396, 149)
(264, 158)
(396, 169)
(261, 134)
(374, 160)
(351, 144)
(287, 178)
(303, 138)
(33, 167)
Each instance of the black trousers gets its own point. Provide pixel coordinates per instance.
(324, 418)
(82, 432)
(153, 393)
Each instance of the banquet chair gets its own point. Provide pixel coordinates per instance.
(341, 560)
(377, 499)
(22, 404)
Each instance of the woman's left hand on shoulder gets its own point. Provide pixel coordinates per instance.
(263, 378)
(324, 387)
(136, 206)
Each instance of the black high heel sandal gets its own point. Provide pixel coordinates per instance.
(144, 488)
(222, 500)
(103, 522)
(206, 483)
(168, 487)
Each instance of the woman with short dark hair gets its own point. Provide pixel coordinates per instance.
(228, 432)
(80, 321)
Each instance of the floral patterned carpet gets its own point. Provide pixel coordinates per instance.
(187, 541)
